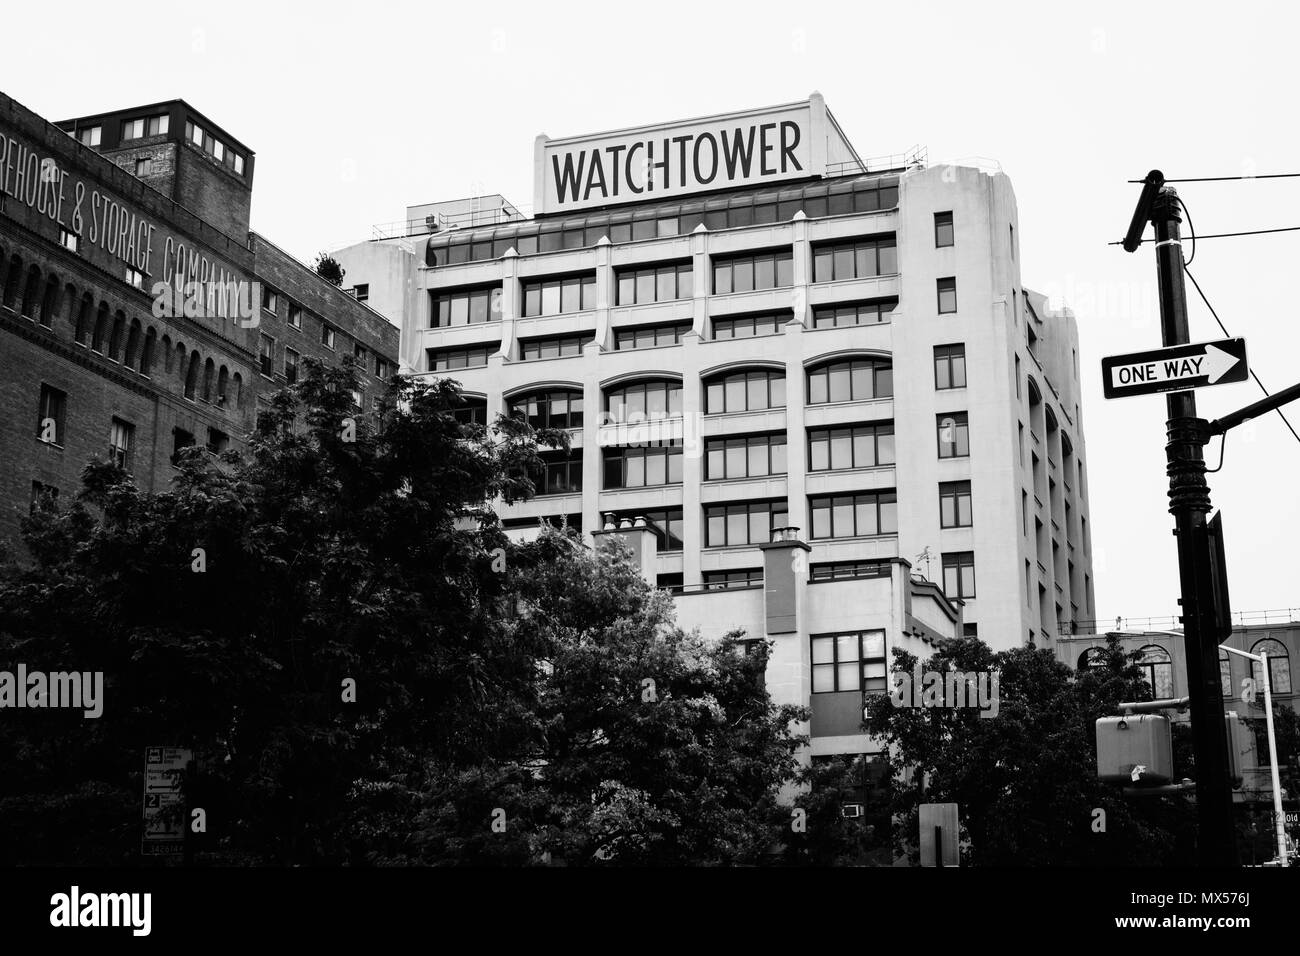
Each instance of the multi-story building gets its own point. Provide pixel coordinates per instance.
(138, 313)
(748, 329)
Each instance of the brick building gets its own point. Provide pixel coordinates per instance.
(138, 313)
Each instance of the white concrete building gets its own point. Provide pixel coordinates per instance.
(810, 341)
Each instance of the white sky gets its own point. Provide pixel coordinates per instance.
(357, 110)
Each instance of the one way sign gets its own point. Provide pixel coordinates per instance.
(1175, 369)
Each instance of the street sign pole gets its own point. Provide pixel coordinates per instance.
(1189, 503)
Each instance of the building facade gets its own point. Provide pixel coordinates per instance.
(755, 336)
(138, 313)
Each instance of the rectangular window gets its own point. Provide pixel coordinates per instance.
(560, 295)
(749, 326)
(665, 523)
(43, 496)
(650, 336)
(382, 369)
(734, 525)
(238, 162)
(857, 380)
(558, 346)
(849, 662)
(942, 229)
(50, 417)
(954, 504)
(68, 240)
(947, 289)
(143, 167)
(853, 516)
(326, 336)
(121, 436)
(453, 307)
(266, 355)
(643, 466)
(90, 136)
(362, 356)
(846, 570)
(295, 315)
(662, 283)
(270, 299)
(290, 366)
(744, 392)
(217, 440)
(746, 456)
(954, 435)
(158, 125)
(855, 259)
(854, 313)
(181, 439)
(959, 574)
(950, 366)
(134, 278)
(132, 129)
(474, 356)
(560, 473)
(361, 291)
(754, 272)
(726, 580)
(854, 446)
(1017, 378)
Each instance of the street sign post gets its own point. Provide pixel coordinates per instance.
(164, 823)
(1175, 369)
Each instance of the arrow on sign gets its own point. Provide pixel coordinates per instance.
(1177, 368)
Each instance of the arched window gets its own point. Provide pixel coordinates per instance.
(50, 301)
(147, 353)
(182, 362)
(1092, 657)
(852, 380)
(745, 390)
(192, 374)
(472, 411)
(13, 280)
(132, 357)
(1225, 673)
(209, 378)
(560, 408)
(32, 293)
(115, 340)
(647, 399)
(101, 329)
(237, 382)
(71, 305)
(1279, 666)
(1157, 670)
(223, 381)
(85, 319)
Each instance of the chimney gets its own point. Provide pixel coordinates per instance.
(638, 536)
(785, 567)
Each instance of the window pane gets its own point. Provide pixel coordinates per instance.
(818, 383)
(821, 520)
(888, 258)
(722, 278)
(846, 648)
(842, 516)
(714, 397)
(550, 298)
(823, 268)
(626, 289)
(778, 456)
(844, 263)
(820, 453)
(532, 300)
(759, 526)
(864, 448)
(846, 676)
(735, 394)
(656, 467)
(717, 528)
(737, 523)
(764, 272)
(866, 515)
(459, 310)
(823, 679)
(716, 462)
(666, 284)
(757, 386)
(839, 383)
(757, 458)
(735, 459)
(685, 282)
(885, 447)
(645, 287)
(743, 275)
(841, 448)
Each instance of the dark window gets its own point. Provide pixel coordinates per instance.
(1157, 669)
(732, 525)
(143, 166)
(362, 356)
(217, 441)
(43, 496)
(452, 307)
(849, 662)
(266, 355)
(555, 346)
(643, 466)
(749, 326)
(947, 289)
(655, 284)
(858, 515)
(561, 408)
(844, 570)
(726, 580)
(747, 456)
(855, 259)
(290, 366)
(854, 313)
(560, 295)
(852, 381)
(959, 574)
(655, 398)
(942, 229)
(950, 366)
(954, 504)
(326, 336)
(666, 523)
(50, 417)
(121, 439)
(744, 392)
(753, 272)
(472, 411)
(362, 291)
(474, 356)
(954, 435)
(270, 300)
(560, 473)
(1279, 667)
(650, 336)
(295, 315)
(855, 446)
(181, 439)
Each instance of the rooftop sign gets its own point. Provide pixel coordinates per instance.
(794, 141)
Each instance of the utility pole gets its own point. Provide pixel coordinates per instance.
(1189, 503)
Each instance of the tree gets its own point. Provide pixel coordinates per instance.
(328, 268)
(1025, 781)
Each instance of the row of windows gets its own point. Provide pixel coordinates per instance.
(815, 201)
(850, 314)
(558, 296)
(553, 346)
(750, 326)
(855, 259)
(149, 126)
(1157, 668)
(214, 147)
(655, 284)
(650, 336)
(753, 272)
(292, 359)
(849, 662)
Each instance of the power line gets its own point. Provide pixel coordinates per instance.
(1224, 179)
(1225, 235)
(1227, 334)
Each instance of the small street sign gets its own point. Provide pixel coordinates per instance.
(1175, 369)
(164, 825)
